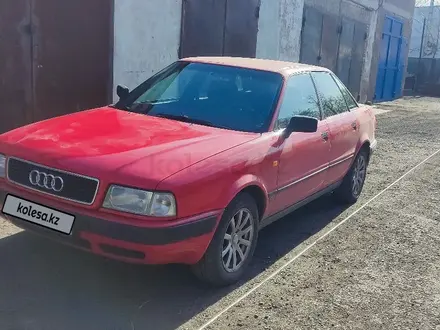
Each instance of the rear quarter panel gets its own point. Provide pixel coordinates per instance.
(366, 122)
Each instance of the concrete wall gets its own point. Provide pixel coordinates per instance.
(291, 13)
(279, 29)
(146, 38)
(400, 7)
(369, 54)
(329, 6)
(147, 33)
(268, 38)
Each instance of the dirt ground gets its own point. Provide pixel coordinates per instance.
(379, 269)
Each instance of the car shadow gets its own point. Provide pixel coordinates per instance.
(47, 286)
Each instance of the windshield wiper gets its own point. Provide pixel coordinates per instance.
(158, 101)
(187, 119)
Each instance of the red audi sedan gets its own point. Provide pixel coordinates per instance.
(189, 166)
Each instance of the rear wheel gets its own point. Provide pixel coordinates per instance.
(351, 188)
(233, 244)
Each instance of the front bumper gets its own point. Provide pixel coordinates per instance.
(184, 243)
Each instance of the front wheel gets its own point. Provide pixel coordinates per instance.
(351, 188)
(233, 244)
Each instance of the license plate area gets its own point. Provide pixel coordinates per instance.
(38, 214)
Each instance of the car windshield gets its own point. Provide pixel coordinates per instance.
(214, 95)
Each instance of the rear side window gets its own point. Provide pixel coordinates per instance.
(332, 100)
(300, 99)
(351, 103)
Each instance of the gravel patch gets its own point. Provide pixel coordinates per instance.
(377, 271)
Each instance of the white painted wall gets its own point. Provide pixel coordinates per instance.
(146, 38)
(279, 29)
(268, 38)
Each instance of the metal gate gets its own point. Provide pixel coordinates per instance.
(219, 27)
(391, 61)
(55, 59)
(334, 42)
(15, 64)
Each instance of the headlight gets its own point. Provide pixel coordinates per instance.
(2, 166)
(141, 202)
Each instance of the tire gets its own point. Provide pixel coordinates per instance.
(351, 188)
(213, 267)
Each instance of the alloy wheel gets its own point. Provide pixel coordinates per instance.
(359, 174)
(237, 241)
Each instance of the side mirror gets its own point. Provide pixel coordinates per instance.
(358, 98)
(301, 124)
(122, 92)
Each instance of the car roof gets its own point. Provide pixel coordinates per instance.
(283, 67)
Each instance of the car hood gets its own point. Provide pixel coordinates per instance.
(119, 146)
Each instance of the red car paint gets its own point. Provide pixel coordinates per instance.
(204, 167)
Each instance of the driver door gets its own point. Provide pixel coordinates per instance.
(304, 157)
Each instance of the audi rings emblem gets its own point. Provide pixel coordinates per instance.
(48, 181)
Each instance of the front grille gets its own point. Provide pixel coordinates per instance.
(76, 187)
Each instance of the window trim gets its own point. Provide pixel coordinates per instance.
(336, 79)
(319, 97)
(276, 128)
(321, 111)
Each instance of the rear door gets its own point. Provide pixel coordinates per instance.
(341, 122)
(304, 157)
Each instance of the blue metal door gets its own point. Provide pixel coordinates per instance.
(391, 61)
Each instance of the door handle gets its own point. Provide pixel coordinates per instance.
(324, 136)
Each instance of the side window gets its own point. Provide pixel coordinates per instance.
(300, 99)
(332, 100)
(352, 104)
